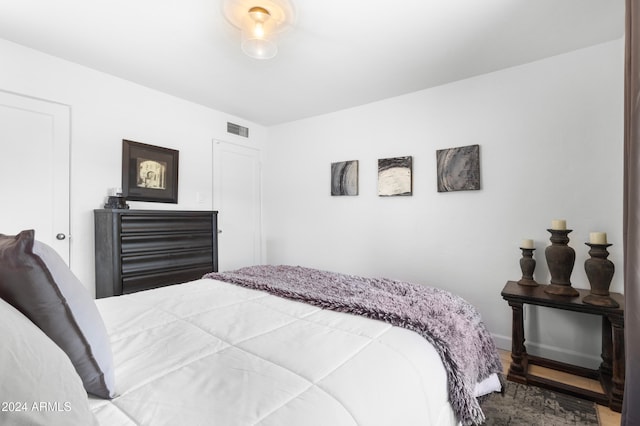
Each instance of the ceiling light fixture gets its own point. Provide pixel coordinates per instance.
(260, 21)
(258, 41)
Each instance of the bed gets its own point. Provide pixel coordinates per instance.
(228, 349)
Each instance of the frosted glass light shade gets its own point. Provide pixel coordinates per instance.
(260, 23)
(258, 40)
(259, 47)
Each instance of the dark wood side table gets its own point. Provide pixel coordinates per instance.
(611, 370)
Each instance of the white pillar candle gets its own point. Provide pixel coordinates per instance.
(113, 192)
(526, 244)
(559, 224)
(598, 238)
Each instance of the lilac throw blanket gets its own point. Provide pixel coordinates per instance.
(452, 325)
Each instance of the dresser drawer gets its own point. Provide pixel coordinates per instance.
(165, 261)
(165, 223)
(152, 280)
(141, 243)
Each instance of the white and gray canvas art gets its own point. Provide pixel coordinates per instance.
(394, 176)
(458, 168)
(344, 178)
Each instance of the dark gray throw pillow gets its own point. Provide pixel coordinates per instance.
(37, 282)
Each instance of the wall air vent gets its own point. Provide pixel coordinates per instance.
(237, 129)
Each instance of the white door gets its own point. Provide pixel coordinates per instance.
(236, 196)
(34, 177)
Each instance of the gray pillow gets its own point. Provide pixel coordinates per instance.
(37, 282)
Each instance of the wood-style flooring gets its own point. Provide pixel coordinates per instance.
(606, 415)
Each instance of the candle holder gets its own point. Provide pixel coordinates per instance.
(116, 202)
(560, 259)
(599, 271)
(528, 265)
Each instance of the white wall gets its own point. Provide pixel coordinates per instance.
(550, 135)
(551, 146)
(105, 110)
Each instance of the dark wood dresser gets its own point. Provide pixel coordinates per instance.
(142, 249)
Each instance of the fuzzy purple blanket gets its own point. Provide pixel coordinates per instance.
(452, 325)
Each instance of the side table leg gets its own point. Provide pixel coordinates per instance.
(617, 391)
(606, 368)
(517, 369)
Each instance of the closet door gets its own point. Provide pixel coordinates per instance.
(34, 177)
(236, 196)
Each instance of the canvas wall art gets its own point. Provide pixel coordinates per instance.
(344, 178)
(458, 168)
(395, 176)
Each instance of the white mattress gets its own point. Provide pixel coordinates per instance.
(211, 353)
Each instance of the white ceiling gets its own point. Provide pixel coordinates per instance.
(339, 54)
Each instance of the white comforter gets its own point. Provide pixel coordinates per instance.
(211, 353)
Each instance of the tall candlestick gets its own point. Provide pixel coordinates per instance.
(599, 271)
(560, 259)
(559, 224)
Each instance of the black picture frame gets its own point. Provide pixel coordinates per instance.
(149, 173)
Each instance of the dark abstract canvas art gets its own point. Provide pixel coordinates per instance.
(458, 168)
(344, 178)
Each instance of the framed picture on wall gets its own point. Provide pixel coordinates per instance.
(149, 173)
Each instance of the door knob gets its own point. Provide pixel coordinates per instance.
(60, 236)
